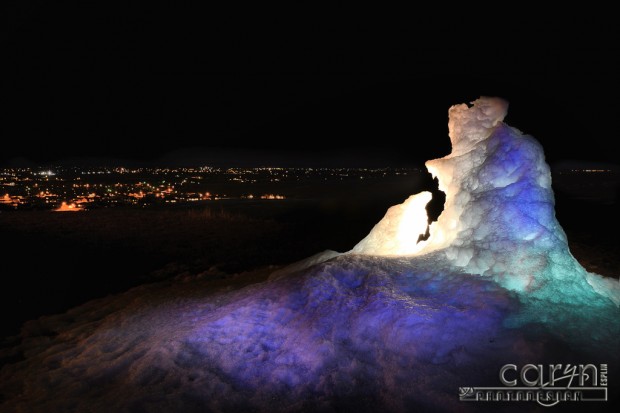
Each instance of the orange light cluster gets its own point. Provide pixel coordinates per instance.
(272, 196)
(65, 207)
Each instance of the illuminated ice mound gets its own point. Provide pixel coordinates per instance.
(392, 326)
(498, 219)
(355, 333)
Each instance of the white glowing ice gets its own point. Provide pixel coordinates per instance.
(398, 232)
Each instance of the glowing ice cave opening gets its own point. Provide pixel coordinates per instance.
(399, 231)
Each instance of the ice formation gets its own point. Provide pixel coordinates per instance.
(498, 218)
(394, 325)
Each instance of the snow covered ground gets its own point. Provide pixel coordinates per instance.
(354, 333)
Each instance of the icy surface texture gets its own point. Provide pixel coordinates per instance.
(498, 219)
(354, 333)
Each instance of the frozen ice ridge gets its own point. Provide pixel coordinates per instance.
(498, 219)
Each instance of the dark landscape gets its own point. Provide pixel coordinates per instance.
(219, 207)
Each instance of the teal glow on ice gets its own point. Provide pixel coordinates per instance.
(499, 218)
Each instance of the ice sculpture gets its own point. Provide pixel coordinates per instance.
(498, 218)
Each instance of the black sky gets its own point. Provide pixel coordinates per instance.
(117, 80)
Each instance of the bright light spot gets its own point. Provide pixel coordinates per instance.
(65, 207)
(399, 230)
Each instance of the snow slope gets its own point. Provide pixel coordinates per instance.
(354, 332)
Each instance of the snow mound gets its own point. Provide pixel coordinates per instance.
(354, 333)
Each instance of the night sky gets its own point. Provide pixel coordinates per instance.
(96, 82)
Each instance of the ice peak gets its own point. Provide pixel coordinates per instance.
(469, 125)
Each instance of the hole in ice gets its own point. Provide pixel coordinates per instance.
(435, 206)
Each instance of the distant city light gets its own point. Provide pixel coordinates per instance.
(101, 187)
(66, 207)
